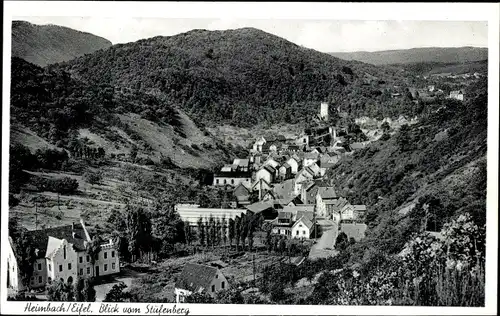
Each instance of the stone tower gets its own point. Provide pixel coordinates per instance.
(323, 113)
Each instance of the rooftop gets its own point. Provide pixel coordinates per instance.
(196, 277)
(327, 193)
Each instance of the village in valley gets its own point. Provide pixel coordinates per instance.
(337, 182)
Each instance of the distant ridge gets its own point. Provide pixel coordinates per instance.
(419, 55)
(49, 44)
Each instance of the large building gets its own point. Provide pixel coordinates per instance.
(61, 255)
(190, 213)
(232, 178)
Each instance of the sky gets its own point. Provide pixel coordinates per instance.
(321, 35)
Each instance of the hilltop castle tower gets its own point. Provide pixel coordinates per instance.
(323, 112)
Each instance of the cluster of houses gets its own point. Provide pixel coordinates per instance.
(61, 255)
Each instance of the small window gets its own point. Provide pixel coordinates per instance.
(222, 285)
(69, 266)
(113, 266)
(49, 280)
(213, 288)
(60, 267)
(303, 232)
(88, 258)
(297, 232)
(50, 267)
(216, 276)
(39, 267)
(64, 252)
(225, 182)
(39, 279)
(217, 181)
(81, 259)
(232, 181)
(105, 267)
(88, 270)
(112, 254)
(105, 255)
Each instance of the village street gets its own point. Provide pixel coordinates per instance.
(324, 247)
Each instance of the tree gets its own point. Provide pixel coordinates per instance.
(230, 296)
(25, 256)
(385, 127)
(201, 231)
(93, 250)
(92, 177)
(212, 230)
(404, 138)
(167, 226)
(244, 230)
(89, 293)
(117, 294)
(138, 227)
(224, 230)
(237, 231)
(231, 231)
(78, 287)
(60, 291)
(342, 241)
(200, 297)
(218, 231)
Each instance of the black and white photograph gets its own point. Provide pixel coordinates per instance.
(153, 162)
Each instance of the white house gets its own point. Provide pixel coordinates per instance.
(310, 158)
(285, 171)
(267, 173)
(458, 95)
(197, 278)
(271, 162)
(232, 178)
(61, 255)
(351, 212)
(257, 146)
(325, 199)
(294, 164)
(303, 228)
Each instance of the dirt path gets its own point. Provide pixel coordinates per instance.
(325, 245)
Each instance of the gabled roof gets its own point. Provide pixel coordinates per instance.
(265, 185)
(259, 206)
(269, 168)
(359, 207)
(305, 221)
(41, 237)
(241, 162)
(196, 277)
(284, 215)
(241, 189)
(327, 193)
(284, 189)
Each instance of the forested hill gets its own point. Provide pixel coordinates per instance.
(48, 44)
(50, 106)
(421, 176)
(419, 55)
(242, 77)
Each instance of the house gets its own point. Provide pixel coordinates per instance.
(358, 145)
(324, 197)
(310, 158)
(232, 178)
(335, 208)
(191, 213)
(313, 169)
(294, 164)
(282, 224)
(287, 201)
(326, 162)
(284, 189)
(285, 171)
(351, 212)
(242, 193)
(293, 148)
(457, 95)
(266, 173)
(308, 192)
(303, 228)
(197, 278)
(262, 186)
(227, 168)
(242, 165)
(61, 255)
(266, 208)
(303, 176)
(259, 143)
(271, 162)
(269, 196)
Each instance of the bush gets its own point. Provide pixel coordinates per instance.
(64, 185)
(92, 177)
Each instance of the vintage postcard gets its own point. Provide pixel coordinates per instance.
(241, 158)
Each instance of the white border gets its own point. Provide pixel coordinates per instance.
(331, 11)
